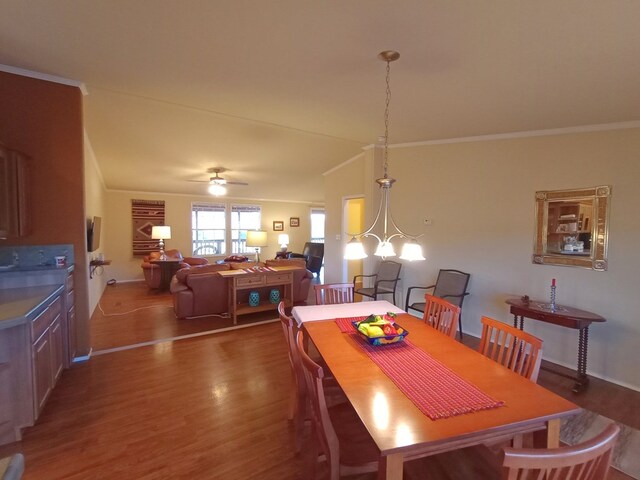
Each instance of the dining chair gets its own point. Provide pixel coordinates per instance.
(298, 393)
(336, 431)
(385, 281)
(589, 460)
(450, 285)
(441, 315)
(12, 468)
(331, 293)
(517, 350)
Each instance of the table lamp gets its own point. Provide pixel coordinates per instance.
(257, 239)
(283, 240)
(162, 233)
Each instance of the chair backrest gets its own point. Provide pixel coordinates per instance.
(586, 461)
(388, 271)
(451, 285)
(441, 315)
(290, 329)
(517, 350)
(321, 426)
(331, 293)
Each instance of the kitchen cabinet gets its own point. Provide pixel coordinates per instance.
(14, 209)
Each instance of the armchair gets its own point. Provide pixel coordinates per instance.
(385, 281)
(313, 253)
(451, 285)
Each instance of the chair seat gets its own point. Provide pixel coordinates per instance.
(356, 445)
(420, 306)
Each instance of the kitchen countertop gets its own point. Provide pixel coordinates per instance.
(36, 268)
(17, 305)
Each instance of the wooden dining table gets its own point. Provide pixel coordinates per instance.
(400, 430)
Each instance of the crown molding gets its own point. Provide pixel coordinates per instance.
(44, 76)
(346, 162)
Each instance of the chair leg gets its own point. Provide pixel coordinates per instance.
(460, 325)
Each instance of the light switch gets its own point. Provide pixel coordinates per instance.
(338, 237)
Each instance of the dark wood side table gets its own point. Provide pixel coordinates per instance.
(568, 317)
(168, 268)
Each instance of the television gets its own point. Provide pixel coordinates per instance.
(93, 234)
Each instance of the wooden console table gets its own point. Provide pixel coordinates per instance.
(241, 280)
(565, 317)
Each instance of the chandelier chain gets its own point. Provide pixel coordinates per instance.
(386, 121)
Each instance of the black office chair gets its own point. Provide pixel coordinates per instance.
(450, 285)
(384, 281)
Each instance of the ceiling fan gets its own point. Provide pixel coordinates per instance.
(217, 183)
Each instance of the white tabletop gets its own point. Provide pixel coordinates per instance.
(324, 312)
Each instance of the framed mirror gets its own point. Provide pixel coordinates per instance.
(572, 227)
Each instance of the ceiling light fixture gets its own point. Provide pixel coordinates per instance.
(217, 189)
(411, 250)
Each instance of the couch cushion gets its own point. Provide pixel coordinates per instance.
(240, 266)
(287, 262)
(183, 273)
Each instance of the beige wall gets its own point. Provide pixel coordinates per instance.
(118, 235)
(95, 194)
(480, 196)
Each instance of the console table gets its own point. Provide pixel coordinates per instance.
(568, 317)
(239, 280)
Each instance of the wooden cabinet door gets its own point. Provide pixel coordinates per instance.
(22, 223)
(41, 371)
(57, 349)
(71, 328)
(5, 193)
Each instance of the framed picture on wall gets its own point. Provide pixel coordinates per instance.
(294, 221)
(278, 226)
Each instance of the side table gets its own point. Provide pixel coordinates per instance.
(168, 268)
(568, 317)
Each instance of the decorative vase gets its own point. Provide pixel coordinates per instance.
(274, 295)
(254, 298)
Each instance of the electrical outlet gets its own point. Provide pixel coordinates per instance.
(428, 222)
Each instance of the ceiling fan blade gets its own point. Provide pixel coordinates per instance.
(236, 183)
(198, 181)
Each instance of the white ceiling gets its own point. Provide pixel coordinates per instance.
(280, 91)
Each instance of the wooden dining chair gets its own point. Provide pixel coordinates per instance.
(331, 293)
(298, 393)
(337, 434)
(441, 315)
(517, 350)
(589, 460)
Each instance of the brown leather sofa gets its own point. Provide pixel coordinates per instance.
(152, 271)
(200, 290)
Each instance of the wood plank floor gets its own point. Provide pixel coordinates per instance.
(211, 407)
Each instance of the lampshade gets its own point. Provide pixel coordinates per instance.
(161, 232)
(283, 240)
(256, 238)
(385, 249)
(217, 190)
(354, 250)
(411, 251)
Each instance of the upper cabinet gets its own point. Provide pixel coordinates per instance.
(14, 211)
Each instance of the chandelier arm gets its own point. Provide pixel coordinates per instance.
(401, 232)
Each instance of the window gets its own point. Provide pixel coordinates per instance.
(243, 218)
(317, 225)
(208, 227)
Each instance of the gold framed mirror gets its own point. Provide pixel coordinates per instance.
(572, 227)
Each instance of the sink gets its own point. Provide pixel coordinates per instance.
(4, 268)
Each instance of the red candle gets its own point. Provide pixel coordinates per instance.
(553, 282)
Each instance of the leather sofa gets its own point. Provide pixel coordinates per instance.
(152, 271)
(200, 290)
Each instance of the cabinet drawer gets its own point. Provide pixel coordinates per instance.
(253, 280)
(41, 323)
(279, 279)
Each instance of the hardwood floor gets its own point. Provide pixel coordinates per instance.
(210, 407)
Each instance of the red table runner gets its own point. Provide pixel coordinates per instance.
(435, 389)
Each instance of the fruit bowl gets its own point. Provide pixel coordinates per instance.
(379, 336)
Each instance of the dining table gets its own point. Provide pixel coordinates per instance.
(390, 407)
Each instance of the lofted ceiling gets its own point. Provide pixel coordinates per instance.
(280, 91)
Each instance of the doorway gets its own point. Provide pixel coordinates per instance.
(353, 222)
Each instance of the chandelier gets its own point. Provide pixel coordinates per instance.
(411, 250)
